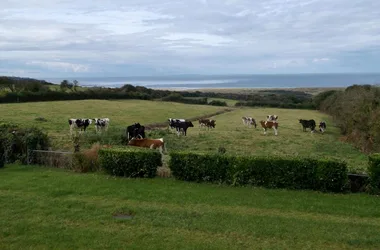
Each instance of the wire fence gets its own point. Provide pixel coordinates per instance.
(57, 159)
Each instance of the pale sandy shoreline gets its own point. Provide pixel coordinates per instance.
(314, 90)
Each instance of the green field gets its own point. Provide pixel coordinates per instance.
(229, 133)
(42, 208)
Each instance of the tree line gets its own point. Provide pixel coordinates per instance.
(356, 110)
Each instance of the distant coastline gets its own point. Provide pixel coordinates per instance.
(291, 81)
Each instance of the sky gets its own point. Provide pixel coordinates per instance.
(54, 38)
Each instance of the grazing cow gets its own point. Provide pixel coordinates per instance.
(182, 126)
(81, 124)
(135, 130)
(272, 118)
(322, 126)
(247, 120)
(207, 122)
(269, 124)
(101, 124)
(174, 120)
(148, 143)
(308, 124)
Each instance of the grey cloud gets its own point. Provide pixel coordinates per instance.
(251, 34)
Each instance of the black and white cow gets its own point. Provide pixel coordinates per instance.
(272, 118)
(181, 127)
(172, 121)
(80, 124)
(308, 124)
(101, 124)
(322, 126)
(247, 120)
(135, 131)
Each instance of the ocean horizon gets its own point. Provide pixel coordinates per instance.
(230, 81)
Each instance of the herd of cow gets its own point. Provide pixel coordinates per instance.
(136, 132)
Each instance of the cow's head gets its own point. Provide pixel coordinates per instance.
(190, 124)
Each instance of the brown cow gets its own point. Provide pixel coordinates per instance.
(266, 125)
(148, 143)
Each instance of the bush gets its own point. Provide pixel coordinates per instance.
(130, 162)
(271, 172)
(18, 143)
(374, 172)
(217, 103)
(87, 160)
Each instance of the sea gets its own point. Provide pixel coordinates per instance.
(184, 82)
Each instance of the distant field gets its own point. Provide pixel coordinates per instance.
(312, 91)
(229, 133)
(44, 208)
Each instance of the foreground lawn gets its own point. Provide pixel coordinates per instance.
(43, 208)
(237, 138)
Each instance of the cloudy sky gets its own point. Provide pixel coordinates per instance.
(157, 37)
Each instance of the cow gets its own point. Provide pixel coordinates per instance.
(81, 124)
(272, 118)
(135, 130)
(247, 120)
(207, 122)
(174, 120)
(307, 124)
(269, 124)
(148, 143)
(182, 126)
(322, 126)
(101, 124)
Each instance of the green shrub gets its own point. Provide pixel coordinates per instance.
(271, 172)
(18, 143)
(217, 103)
(374, 172)
(130, 162)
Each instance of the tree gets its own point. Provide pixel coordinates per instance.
(76, 84)
(64, 85)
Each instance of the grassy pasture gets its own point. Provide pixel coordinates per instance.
(229, 133)
(44, 208)
(122, 113)
(291, 140)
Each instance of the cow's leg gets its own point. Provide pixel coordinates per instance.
(265, 131)
(275, 131)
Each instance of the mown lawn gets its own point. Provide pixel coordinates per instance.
(237, 138)
(42, 208)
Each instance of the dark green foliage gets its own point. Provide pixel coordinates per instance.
(18, 143)
(176, 97)
(357, 113)
(130, 162)
(271, 172)
(374, 172)
(217, 103)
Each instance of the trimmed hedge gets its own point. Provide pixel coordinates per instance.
(374, 172)
(130, 162)
(271, 172)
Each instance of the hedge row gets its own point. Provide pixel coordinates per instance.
(374, 172)
(292, 173)
(130, 162)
